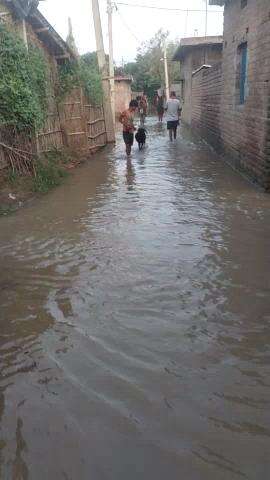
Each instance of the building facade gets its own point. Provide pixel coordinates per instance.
(245, 98)
(192, 54)
(122, 88)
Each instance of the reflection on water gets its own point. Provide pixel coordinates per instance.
(135, 324)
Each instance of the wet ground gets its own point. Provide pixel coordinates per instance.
(135, 322)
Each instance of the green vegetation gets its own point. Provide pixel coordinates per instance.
(6, 210)
(49, 171)
(83, 72)
(23, 86)
(148, 69)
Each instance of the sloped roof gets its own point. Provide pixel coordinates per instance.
(22, 8)
(27, 9)
(123, 78)
(187, 44)
(47, 35)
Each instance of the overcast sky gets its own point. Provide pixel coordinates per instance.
(131, 25)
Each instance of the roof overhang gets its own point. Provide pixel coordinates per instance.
(219, 3)
(123, 78)
(188, 45)
(22, 8)
(50, 38)
(27, 10)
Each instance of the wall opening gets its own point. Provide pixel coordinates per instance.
(242, 73)
(244, 3)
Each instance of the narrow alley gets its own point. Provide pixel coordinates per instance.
(135, 322)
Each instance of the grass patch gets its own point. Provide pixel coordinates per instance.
(6, 210)
(50, 171)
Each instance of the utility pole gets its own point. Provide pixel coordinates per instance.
(111, 62)
(206, 17)
(24, 34)
(167, 85)
(108, 114)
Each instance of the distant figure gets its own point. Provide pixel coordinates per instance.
(141, 137)
(143, 106)
(127, 120)
(160, 107)
(173, 109)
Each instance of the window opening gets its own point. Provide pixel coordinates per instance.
(243, 51)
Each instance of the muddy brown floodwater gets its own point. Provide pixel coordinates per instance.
(135, 322)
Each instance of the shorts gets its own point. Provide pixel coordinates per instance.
(172, 124)
(128, 138)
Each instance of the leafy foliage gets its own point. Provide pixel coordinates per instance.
(23, 86)
(49, 172)
(148, 68)
(83, 72)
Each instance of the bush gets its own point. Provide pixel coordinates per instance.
(23, 85)
(49, 172)
(80, 73)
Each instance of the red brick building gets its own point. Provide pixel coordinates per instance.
(231, 102)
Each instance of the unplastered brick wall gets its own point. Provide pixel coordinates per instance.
(206, 99)
(245, 130)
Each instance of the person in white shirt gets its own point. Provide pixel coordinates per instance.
(173, 109)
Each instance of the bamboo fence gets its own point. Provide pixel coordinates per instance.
(75, 124)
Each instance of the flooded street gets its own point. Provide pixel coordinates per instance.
(135, 322)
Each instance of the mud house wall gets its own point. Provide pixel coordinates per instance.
(122, 96)
(210, 55)
(206, 100)
(245, 127)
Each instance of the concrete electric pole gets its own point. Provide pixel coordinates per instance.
(167, 85)
(206, 17)
(111, 62)
(108, 114)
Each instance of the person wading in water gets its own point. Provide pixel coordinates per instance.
(160, 107)
(173, 109)
(127, 120)
(143, 106)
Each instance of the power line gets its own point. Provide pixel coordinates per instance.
(152, 7)
(125, 24)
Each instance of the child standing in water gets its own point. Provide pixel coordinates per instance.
(127, 120)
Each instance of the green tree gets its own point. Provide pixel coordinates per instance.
(148, 68)
(83, 72)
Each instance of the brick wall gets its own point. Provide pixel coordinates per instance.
(198, 56)
(206, 99)
(245, 128)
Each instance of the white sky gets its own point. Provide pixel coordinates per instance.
(142, 23)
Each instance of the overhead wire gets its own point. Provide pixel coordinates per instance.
(125, 24)
(168, 9)
(153, 7)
